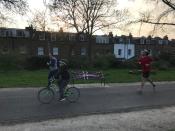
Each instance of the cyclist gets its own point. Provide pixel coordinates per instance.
(53, 68)
(145, 61)
(64, 79)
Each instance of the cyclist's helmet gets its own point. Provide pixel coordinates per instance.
(146, 51)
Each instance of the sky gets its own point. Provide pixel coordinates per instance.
(134, 6)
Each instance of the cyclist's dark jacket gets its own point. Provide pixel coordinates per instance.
(65, 75)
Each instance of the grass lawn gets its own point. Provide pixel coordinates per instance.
(39, 78)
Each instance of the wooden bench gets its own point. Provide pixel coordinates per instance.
(88, 75)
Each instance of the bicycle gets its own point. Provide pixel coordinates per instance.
(47, 94)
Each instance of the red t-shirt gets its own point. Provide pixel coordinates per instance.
(145, 62)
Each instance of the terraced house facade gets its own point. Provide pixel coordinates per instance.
(37, 43)
(30, 42)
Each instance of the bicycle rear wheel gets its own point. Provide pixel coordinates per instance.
(72, 94)
(46, 95)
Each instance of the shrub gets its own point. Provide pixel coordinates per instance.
(161, 65)
(164, 56)
(78, 62)
(172, 61)
(11, 62)
(131, 63)
(104, 61)
(36, 62)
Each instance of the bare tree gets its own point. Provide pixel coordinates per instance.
(161, 20)
(87, 16)
(39, 20)
(18, 6)
(169, 3)
(13, 6)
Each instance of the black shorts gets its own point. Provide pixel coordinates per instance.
(146, 74)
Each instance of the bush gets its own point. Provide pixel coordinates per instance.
(164, 56)
(161, 65)
(36, 62)
(11, 62)
(172, 61)
(104, 61)
(78, 62)
(131, 63)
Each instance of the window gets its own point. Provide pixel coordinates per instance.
(23, 50)
(166, 42)
(129, 52)
(129, 41)
(2, 32)
(40, 51)
(72, 52)
(53, 37)
(120, 40)
(19, 33)
(104, 41)
(42, 36)
(5, 50)
(148, 41)
(9, 33)
(119, 51)
(83, 51)
(72, 37)
(160, 42)
(142, 41)
(55, 51)
(81, 37)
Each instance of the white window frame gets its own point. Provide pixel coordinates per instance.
(81, 37)
(55, 51)
(142, 41)
(40, 51)
(83, 51)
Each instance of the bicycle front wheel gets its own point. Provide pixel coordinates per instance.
(46, 95)
(72, 94)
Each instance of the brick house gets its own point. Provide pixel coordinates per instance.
(39, 43)
(30, 42)
(156, 45)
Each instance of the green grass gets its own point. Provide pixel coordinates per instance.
(39, 78)
(23, 78)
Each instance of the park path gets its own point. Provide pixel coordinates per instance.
(18, 105)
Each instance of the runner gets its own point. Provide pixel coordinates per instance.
(145, 61)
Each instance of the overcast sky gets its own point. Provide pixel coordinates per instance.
(134, 6)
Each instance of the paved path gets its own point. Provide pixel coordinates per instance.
(147, 120)
(21, 105)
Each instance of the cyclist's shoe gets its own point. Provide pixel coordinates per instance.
(62, 99)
